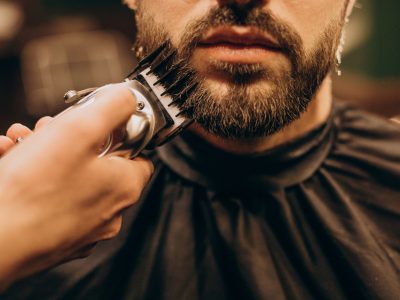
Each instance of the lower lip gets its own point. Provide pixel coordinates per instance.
(245, 54)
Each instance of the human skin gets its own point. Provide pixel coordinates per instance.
(57, 197)
(309, 18)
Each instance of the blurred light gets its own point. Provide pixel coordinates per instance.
(54, 64)
(359, 29)
(11, 20)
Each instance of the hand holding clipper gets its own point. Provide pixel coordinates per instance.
(58, 194)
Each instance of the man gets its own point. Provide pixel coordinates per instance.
(275, 193)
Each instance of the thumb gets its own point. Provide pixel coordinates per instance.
(110, 108)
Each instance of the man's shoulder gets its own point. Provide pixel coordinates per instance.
(360, 130)
(366, 144)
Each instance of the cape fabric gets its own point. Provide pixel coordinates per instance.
(317, 218)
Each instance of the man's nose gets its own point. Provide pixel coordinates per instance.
(243, 3)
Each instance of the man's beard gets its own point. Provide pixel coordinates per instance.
(259, 101)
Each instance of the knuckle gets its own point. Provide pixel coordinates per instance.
(128, 179)
(129, 100)
(113, 229)
(13, 129)
(147, 170)
(123, 93)
(131, 198)
(10, 130)
(108, 211)
(133, 190)
(144, 167)
(117, 224)
(43, 121)
(150, 170)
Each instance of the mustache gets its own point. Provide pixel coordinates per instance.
(289, 40)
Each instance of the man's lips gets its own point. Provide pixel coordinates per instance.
(240, 36)
(239, 44)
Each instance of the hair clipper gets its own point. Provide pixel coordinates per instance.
(160, 83)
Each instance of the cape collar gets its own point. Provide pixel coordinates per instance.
(196, 160)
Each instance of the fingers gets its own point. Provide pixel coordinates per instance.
(136, 172)
(146, 163)
(112, 229)
(106, 232)
(113, 106)
(5, 144)
(129, 177)
(18, 131)
(125, 180)
(42, 122)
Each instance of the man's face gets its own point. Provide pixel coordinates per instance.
(259, 63)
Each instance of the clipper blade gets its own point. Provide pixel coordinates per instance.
(172, 82)
(173, 74)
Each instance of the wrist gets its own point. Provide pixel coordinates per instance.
(10, 258)
(14, 240)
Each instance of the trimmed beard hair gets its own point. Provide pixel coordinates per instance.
(259, 100)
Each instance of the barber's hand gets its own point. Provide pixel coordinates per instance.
(5, 144)
(18, 131)
(57, 197)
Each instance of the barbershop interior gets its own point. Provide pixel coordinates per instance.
(334, 187)
(50, 47)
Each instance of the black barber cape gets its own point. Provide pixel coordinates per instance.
(317, 218)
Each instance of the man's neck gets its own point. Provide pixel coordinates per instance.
(316, 114)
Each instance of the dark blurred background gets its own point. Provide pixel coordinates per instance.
(48, 47)
(371, 65)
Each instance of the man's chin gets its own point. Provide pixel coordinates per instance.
(228, 88)
(226, 75)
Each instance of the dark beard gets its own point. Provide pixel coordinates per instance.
(250, 108)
